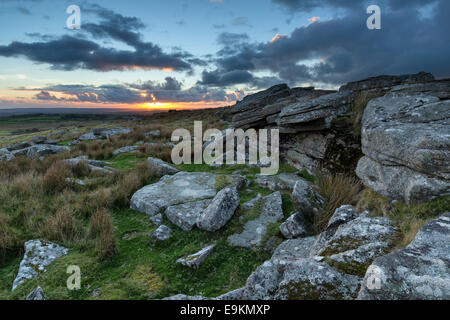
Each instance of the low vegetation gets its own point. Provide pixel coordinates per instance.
(109, 241)
(339, 190)
(409, 218)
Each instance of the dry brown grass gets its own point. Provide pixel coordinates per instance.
(358, 107)
(159, 151)
(102, 229)
(339, 189)
(54, 180)
(81, 169)
(62, 227)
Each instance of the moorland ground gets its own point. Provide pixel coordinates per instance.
(111, 243)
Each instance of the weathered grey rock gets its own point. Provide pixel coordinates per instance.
(251, 204)
(341, 216)
(263, 283)
(96, 293)
(307, 201)
(299, 279)
(36, 294)
(75, 182)
(357, 232)
(315, 114)
(296, 226)
(401, 183)
(157, 219)
(185, 215)
(282, 181)
(19, 146)
(305, 279)
(94, 165)
(355, 244)
(129, 149)
(161, 167)
(232, 295)
(6, 155)
(263, 108)
(294, 249)
(418, 272)
(183, 297)
(386, 82)
(254, 230)
(246, 113)
(153, 133)
(220, 210)
(38, 255)
(43, 150)
(162, 233)
(180, 188)
(101, 133)
(439, 88)
(195, 260)
(43, 140)
(406, 140)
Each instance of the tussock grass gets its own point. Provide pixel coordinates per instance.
(54, 180)
(358, 107)
(102, 228)
(339, 190)
(62, 227)
(409, 218)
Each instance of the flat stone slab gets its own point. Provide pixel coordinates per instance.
(180, 188)
(282, 181)
(185, 215)
(254, 230)
(38, 255)
(195, 260)
(294, 249)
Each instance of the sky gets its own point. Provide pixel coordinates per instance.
(178, 54)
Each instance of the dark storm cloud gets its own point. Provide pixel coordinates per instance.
(343, 49)
(307, 5)
(136, 93)
(169, 83)
(70, 53)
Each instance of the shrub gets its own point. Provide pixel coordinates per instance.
(339, 189)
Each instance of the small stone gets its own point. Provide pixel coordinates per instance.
(162, 233)
(36, 294)
(195, 260)
(157, 219)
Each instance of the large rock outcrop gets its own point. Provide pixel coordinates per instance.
(263, 108)
(316, 126)
(406, 142)
(418, 272)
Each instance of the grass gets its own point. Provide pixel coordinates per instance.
(409, 218)
(110, 242)
(339, 190)
(358, 107)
